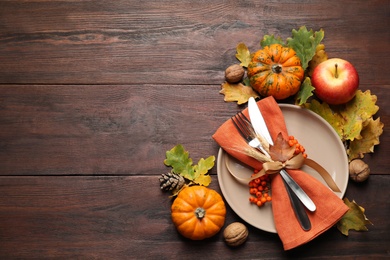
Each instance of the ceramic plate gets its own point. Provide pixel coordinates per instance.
(322, 144)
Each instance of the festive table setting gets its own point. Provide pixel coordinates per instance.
(191, 129)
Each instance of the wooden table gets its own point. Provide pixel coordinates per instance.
(93, 93)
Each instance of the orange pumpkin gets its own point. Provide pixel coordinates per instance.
(275, 71)
(198, 212)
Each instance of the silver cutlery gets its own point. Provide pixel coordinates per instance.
(244, 127)
(260, 128)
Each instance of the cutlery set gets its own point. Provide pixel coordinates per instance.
(253, 128)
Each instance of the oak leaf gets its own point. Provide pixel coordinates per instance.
(270, 39)
(243, 54)
(347, 119)
(318, 57)
(237, 92)
(370, 137)
(354, 218)
(305, 92)
(281, 151)
(324, 110)
(178, 158)
(305, 43)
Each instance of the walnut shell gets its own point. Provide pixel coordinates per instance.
(234, 73)
(358, 170)
(235, 234)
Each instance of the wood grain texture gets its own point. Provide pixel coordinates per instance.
(93, 93)
(128, 217)
(119, 130)
(174, 42)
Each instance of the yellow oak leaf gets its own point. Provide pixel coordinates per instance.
(243, 54)
(237, 92)
(370, 137)
(201, 171)
(354, 218)
(324, 110)
(347, 119)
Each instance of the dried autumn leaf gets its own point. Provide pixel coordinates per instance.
(305, 92)
(353, 219)
(243, 54)
(281, 151)
(347, 119)
(370, 137)
(237, 92)
(356, 112)
(318, 57)
(323, 110)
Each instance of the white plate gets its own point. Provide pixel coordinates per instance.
(322, 144)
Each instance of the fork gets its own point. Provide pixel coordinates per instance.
(245, 128)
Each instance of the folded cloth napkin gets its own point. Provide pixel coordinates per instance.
(330, 208)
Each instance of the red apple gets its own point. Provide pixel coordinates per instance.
(335, 81)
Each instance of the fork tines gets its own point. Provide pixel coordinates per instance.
(244, 126)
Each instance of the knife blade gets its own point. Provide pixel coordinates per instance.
(261, 128)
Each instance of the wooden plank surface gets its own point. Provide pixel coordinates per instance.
(174, 42)
(119, 129)
(128, 217)
(92, 94)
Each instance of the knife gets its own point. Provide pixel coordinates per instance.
(261, 128)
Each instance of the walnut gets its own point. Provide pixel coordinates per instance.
(234, 73)
(358, 170)
(235, 234)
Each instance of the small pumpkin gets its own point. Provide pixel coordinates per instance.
(275, 71)
(198, 212)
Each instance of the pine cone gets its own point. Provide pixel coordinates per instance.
(171, 181)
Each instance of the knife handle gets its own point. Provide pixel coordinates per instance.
(298, 208)
(301, 194)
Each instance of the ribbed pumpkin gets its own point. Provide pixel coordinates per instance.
(275, 71)
(198, 212)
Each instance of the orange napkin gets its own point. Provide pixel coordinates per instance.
(330, 208)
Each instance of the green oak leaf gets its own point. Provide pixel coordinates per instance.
(178, 158)
(304, 43)
(270, 39)
(305, 92)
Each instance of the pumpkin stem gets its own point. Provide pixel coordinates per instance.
(276, 68)
(200, 213)
(336, 73)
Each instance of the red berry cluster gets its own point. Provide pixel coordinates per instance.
(259, 189)
(298, 147)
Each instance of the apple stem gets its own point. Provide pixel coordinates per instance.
(336, 74)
